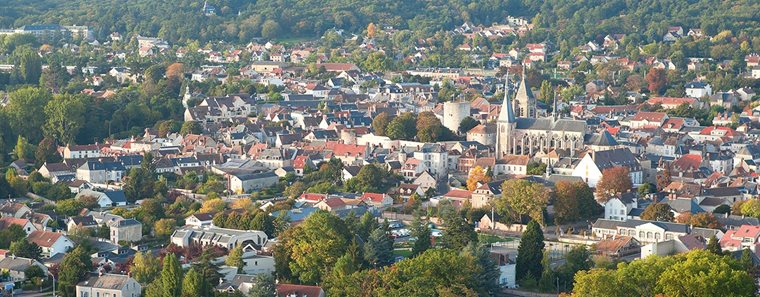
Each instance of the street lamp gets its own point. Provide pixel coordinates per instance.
(52, 276)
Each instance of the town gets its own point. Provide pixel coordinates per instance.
(371, 161)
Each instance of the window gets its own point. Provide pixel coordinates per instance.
(649, 235)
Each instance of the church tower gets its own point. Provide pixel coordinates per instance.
(525, 102)
(505, 125)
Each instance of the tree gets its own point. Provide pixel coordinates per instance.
(171, 276)
(208, 271)
(263, 286)
(458, 233)
(573, 201)
(192, 284)
(657, 212)
(701, 273)
(24, 150)
(430, 129)
(235, 258)
(26, 249)
(47, 152)
(74, 268)
(65, 117)
(378, 250)
(751, 208)
(10, 235)
(656, 80)
(536, 168)
(31, 66)
(145, 268)
(422, 233)
(311, 248)
(547, 92)
(489, 269)
(371, 30)
(477, 175)
(467, 124)
(164, 227)
(714, 246)
(24, 112)
(270, 29)
(530, 251)
(521, 197)
(380, 123)
(371, 178)
(402, 127)
(213, 205)
(664, 178)
(191, 127)
(702, 219)
(645, 189)
(615, 180)
(722, 209)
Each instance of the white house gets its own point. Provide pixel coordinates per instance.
(698, 89)
(617, 208)
(109, 285)
(52, 243)
(592, 165)
(644, 231)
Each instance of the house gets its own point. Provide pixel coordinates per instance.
(618, 246)
(507, 270)
(108, 285)
(644, 231)
(52, 243)
(377, 200)
(698, 89)
(200, 219)
(14, 210)
(126, 230)
(240, 282)
(77, 222)
(81, 151)
(512, 164)
(746, 236)
(246, 182)
(25, 224)
(105, 198)
(481, 197)
(16, 267)
(457, 197)
(288, 290)
(617, 208)
(592, 165)
(672, 102)
(97, 172)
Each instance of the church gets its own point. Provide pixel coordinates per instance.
(520, 132)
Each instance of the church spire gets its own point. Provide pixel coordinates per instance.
(555, 112)
(506, 114)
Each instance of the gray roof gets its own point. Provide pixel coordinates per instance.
(616, 157)
(548, 124)
(611, 224)
(602, 139)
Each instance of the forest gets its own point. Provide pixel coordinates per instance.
(562, 21)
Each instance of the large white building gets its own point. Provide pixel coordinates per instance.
(222, 237)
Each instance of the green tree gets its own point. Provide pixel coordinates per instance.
(573, 202)
(47, 152)
(30, 65)
(530, 251)
(73, 269)
(714, 246)
(489, 269)
(145, 268)
(658, 212)
(263, 286)
(547, 92)
(25, 249)
(191, 127)
(65, 117)
(467, 124)
(191, 284)
(171, 276)
(311, 248)
(430, 129)
(402, 127)
(24, 112)
(208, 271)
(235, 258)
(270, 29)
(24, 150)
(11, 234)
(380, 123)
(458, 233)
(521, 197)
(378, 250)
(701, 273)
(422, 233)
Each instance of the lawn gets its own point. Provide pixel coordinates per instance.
(489, 239)
(406, 253)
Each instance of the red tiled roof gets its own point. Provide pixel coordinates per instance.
(688, 162)
(287, 290)
(312, 197)
(44, 238)
(374, 197)
(649, 116)
(6, 222)
(670, 101)
(458, 193)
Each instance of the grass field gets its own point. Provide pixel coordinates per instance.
(488, 238)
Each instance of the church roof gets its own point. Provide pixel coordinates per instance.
(506, 114)
(524, 92)
(548, 124)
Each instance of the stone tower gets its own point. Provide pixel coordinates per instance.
(505, 125)
(525, 102)
(454, 113)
